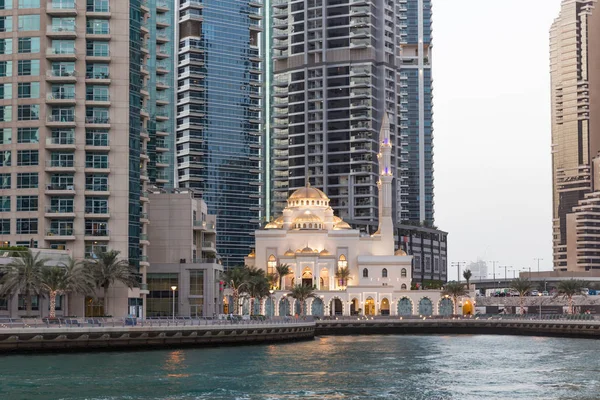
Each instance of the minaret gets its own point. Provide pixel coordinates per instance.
(386, 175)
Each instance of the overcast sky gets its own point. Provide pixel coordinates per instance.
(493, 188)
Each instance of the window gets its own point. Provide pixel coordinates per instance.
(96, 93)
(63, 136)
(63, 47)
(6, 91)
(29, 23)
(6, 4)
(98, 27)
(5, 113)
(61, 228)
(27, 226)
(6, 23)
(197, 283)
(403, 273)
(27, 157)
(27, 203)
(97, 71)
(61, 204)
(5, 226)
(365, 273)
(271, 264)
(62, 114)
(63, 92)
(28, 68)
(61, 182)
(384, 273)
(62, 160)
(96, 137)
(6, 46)
(27, 135)
(96, 183)
(27, 243)
(5, 68)
(27, 180)
(5, 181)
(97, 115)
(28, 112)
(403, 286)
(63, 68)
(98, 5)
(35, 305)
(28, 90)
(29, 4)
(342, 262)
(63, 24)
(5, 158)
(92, 249)
(97, 48)
(5, 135)
(94, 160)
(96, 205)
(96, 228)
(4, 203)
(29, 45)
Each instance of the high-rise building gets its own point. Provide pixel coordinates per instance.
(338, 67)
(219, 115)
(574, 144)
(87, 125)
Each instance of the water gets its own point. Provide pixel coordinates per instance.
(349, 367)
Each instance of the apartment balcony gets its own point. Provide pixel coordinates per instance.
(144, 197)
(62, 32)
(97, 167)
(61, 76)
(162, 38)
(209, 246)
(60, 212)
(100, 11)
(61, 8)
(60, 121)
(162, 84)
(100, 78)
(97, 122)
(162, 21)
(98, 33)
(99, 235)
(255, 23)
(60, 189)
(61, 99)
(66, 54)
(205, 226)
(97, 212)
(144, 239)
(98, 56)
(162, 52)
(59, 234)
(162, 6)
(162, 116)
(61, 143)
(144, 262)
(97, 190)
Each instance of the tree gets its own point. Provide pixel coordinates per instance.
(272, 279)
(455, 290)
(522, 286)
(302, 293)
(53, 282)
(236, 279)
(23, 274)
(108, 269)
(569, 288)
(467, 275)
(282, 270)
(343, 276)
(80, 279)
(258, 285)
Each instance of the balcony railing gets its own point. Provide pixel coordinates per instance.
(60, 186)
(59, 51)
(61, 163)
(96, 210)
(97, 232)
(62, 4)
(97, 97)
(61, 96)
(59, 232)
(61, 73)
(62, 28)
(97, 120)
(97, 75)
(96, 187)
(61, 140)
(60, 209)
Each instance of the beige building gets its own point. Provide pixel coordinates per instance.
(574, 74)
(182, 256)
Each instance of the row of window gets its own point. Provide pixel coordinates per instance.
(25, 45)
(384, 273)
(92, 5)
(35, 303)
(29, 226)
(93, 137)
(59, 160)
(31, 90)
(24, 68)
(30, 22)
(30, 180)
(26, 112)
(93, 205)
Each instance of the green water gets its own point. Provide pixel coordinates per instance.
(351, 367)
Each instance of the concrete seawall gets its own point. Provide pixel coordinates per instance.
(579, 329)
(107, 338)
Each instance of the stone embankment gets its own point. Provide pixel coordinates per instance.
(149, 335)
(471, 326)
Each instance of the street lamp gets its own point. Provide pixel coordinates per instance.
(271, 291)
(540, 296)
(538, 262)
(173, 288)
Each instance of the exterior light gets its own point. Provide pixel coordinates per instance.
(173, 288)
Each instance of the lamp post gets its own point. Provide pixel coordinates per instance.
(173, 288)
(494, 271)
(540, 296)
(271, 291)
(538, 261)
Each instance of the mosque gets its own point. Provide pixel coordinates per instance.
(315, 244)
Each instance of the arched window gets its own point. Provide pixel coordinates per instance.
(310, 225)
(342, 262)
(271, 263)
(384, 273)
(403, 273)
(304, 226)
(365, 273)
(403, 287)
(313, 202)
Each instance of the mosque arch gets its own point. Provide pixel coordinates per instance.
(425, 307)
(271, 264)
(446, 306)
(405, 306)
(385, 307)
(369, 306)
(365, 273)
(384, 273)
(270, 307)
(336, 307)
(403, 273)
(316, 308)
(284, 307)
(403, 286)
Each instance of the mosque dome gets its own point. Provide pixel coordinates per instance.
(308, 220)
(307, 250)
(271, 225)
(342, 225)
(324, 252)
(308, 192)
(252, 254)
(289, 252)
(399, 252)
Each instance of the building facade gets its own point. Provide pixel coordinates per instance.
(574, 143)
(317, 245)
(337, 69)
(183, 257)
(87, 126)
(219, 115)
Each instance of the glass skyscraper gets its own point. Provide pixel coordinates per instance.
(219, 116)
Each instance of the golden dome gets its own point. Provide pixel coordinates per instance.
(400, 252)
(252, 254)
(271, 225)
(308, 192)
(342, 225)
(290, 252)
(336, 219)
(307, 250)
(307, 220)
(324, 252)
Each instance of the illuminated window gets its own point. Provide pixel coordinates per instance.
(403, 273)
(271, 264)
(342, 262)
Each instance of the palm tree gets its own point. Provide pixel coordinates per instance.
(108, 269)
(522, 286)
(23, 274)
(53, 282)
(568, 289)
(467, 275)
(236, 279)
(302, 293)
(455, 290)
(282, 270)
(272, 279)
(80, 279)
(343, 276)
(258, 286)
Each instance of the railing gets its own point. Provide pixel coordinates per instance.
(96, 188)
(59, 51)
(62, 28)
(59, 232)
(62, 4)
(61, 73)
(60, 96)
(61, 118)
(97, 75)
(97, 232)
(60, 187)
(97, 120)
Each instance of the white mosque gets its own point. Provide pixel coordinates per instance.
(315, 243)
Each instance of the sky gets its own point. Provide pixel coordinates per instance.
(493, 182)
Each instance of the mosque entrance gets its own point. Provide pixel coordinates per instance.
(354, 307)
(307, 277)
(385, 307)
(336, 307)
(370, 306)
